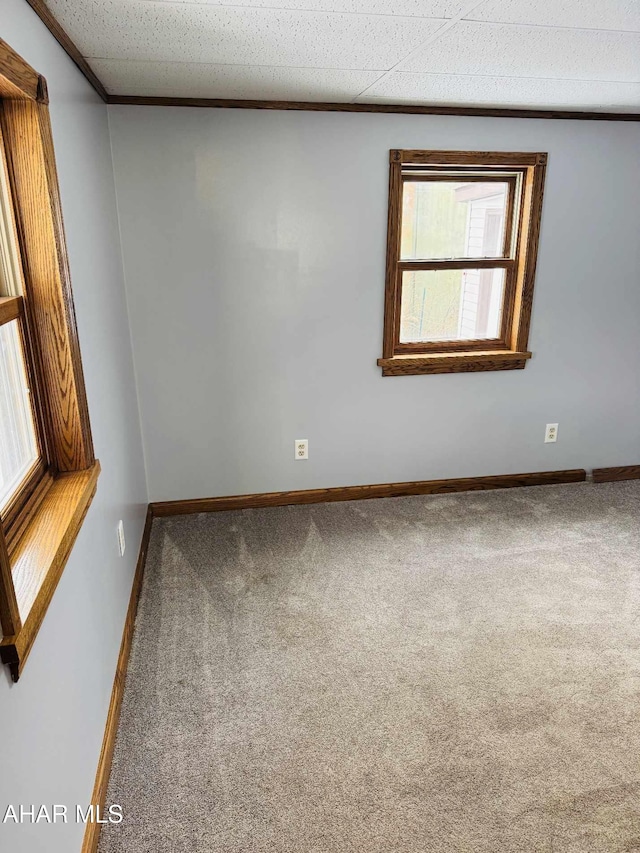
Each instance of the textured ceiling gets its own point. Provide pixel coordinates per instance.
(564, 54)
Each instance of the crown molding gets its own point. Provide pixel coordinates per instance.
(61, 36)
(406, 109)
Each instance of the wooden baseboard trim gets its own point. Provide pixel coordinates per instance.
(354, 493)
(612, 475)
(92, 831)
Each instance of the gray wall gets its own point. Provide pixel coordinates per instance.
(52, 721)
(254, 247)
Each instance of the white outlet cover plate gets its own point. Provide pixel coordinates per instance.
(551, 433)
(301, 448)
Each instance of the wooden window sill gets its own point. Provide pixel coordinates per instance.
(454, 362)
(40, 555)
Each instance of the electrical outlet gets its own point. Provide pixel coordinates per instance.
(302, 448)
(551, 433)
(121, 542)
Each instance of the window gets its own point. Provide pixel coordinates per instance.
(48, 473)
(19, 446)
(23, 457)
(461, 256)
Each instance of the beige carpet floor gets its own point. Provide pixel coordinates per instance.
(450, 674)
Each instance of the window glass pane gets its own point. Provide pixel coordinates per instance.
(453, 219)
(18, 445)
(451, 305)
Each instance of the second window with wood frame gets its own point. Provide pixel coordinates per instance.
(461, 255)
(48, 471)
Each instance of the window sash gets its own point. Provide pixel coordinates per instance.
(506, 261)
(461, 345)
(514, 197)
(456, 264)
(11, 308)
(27, 490)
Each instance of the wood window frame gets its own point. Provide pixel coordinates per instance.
(525, 173)
(40, 524)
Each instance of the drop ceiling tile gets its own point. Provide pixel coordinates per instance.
(411, 8)
(521, 92)
(598, 14)
(145, 30)
(517, 51)
(199, 80)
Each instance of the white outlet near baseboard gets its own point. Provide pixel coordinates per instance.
(121, 543)
(302, 448)
(551, 433)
